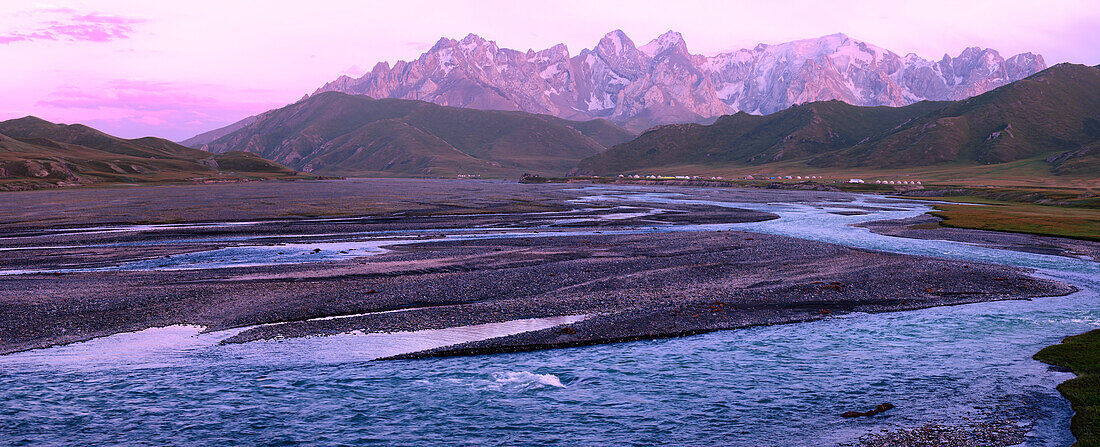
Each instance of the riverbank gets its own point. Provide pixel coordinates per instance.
(929, 227)
(638, 271)
(1045, 211)
(1081, 355)
(635, 286)
(633, 261)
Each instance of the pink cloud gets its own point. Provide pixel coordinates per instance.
(75, 27)
(216, 68)
(139, 95)
(152, 120)
(129, 108)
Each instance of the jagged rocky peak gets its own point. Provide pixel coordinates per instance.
(669, 41)
(474, 42)
(661, 82)
(820, 46)
(1024, 64)
(466, 45)
(838, 47)
(442, 43)
(975, 57)
(559, 51)
(805, 47)
(615, 43)
(472, 39)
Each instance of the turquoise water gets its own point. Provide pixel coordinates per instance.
(777, 385)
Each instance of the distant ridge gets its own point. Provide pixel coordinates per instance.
(340, 134)
(662, 82)
(207, 137)
(1052, 117)
(36, 153)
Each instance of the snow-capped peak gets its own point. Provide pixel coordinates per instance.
(615, 42)
(811, 48)
(443, 43)
(666, 41)
(654, 84)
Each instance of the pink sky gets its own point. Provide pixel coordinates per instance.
(174, 69)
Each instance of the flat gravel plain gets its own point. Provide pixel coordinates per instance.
(632, 284)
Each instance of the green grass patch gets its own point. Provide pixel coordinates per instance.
(1075, 223)
(958, 199)
(1081, 354)
(1043, 211)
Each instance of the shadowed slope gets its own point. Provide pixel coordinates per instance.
(1051, 119)
(1055, 110)
(357, 135)
(37, 153)
(744, 139)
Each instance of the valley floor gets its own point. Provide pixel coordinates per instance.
(276, 258)
(280, 271)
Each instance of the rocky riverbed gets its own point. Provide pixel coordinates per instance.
(296, 286)
(626, 265)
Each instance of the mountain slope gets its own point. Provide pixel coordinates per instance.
(32, 128)
(602, 131)
(1055, 110)
(662, 82)
(207, 137)
(342, 134)
(795, 133)
(36, 153)
(1053, 115)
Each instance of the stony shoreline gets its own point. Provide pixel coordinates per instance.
(842, 281)
(635, 285)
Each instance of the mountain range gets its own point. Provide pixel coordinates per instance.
(36, 153)
(1052, 117)
(340, 134)
(662, 82)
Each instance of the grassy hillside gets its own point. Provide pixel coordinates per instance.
(335, 133)
(603, 131)
(33, 130)
(35, 153)
(206, 137)
(752, 140)
(1040, 131)
(1056, 110)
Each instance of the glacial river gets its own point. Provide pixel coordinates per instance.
(776, 385)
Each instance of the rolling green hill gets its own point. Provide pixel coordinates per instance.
(1045, 125)
(1056, 110)
(36, 153)
(336, 133)
(799, 132)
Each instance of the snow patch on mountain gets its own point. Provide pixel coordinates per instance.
(661, 82)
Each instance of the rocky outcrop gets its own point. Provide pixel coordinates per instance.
(662, 82)
(878, 409)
